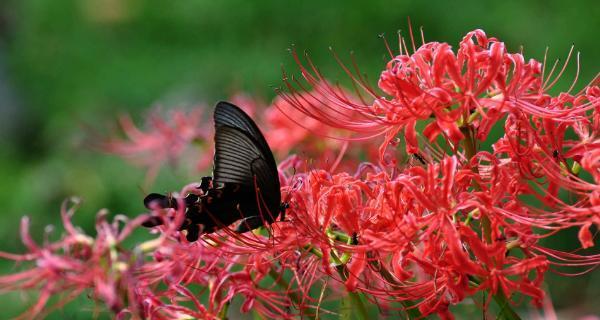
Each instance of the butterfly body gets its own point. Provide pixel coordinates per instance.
(245, 184)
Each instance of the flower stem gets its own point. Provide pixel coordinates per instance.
(354, 298)
(359, 305)
(223, 312)
(470, 147)
(385, 273)
(408, 305)
(294, 296)
(506, 312)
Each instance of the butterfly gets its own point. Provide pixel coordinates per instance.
(245, 183)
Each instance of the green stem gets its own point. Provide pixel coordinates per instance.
(385, 273)
(223, 312)
(470, 216)
(470, 147)
(294, 296)
(355, 299)
(409, 308)
(506, 312)
(360, 306)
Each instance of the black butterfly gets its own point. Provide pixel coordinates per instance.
(245, 183)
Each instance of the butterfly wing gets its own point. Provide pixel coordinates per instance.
(247, 156)
(240, 160)
(227, 114)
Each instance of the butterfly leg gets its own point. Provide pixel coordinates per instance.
(205, 184)
(193, 232)
(282, 208)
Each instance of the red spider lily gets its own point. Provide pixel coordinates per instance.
(132, 282)
(76, 263)
(419, 237)
(460, 97)
(290, 129)
(397, 221)
(475, 87)
(165, 140)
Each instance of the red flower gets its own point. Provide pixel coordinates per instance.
(421, 236)
(165, 141)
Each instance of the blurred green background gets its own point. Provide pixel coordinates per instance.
(66, 65)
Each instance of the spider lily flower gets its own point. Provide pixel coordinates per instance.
(165, 140)
(473, 88)
(420, 237)
(290, 129)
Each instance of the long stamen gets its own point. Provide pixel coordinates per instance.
(387, 46)
(562, 70)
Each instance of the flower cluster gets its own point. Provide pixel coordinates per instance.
(416, 230)
(460, 223)
(166, 140)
